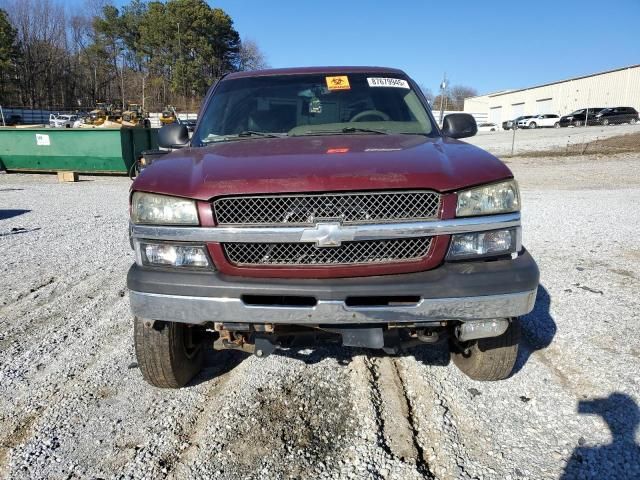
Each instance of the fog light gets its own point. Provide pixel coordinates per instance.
(482, 244)
(475, 329)
(164, 254)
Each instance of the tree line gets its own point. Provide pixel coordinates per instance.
(452, 98)
(147, 52)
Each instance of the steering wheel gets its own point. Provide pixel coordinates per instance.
(374, 113)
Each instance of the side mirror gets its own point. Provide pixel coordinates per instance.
(459, 125)
(173, 135)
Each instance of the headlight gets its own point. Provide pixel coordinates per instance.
(502, 197)
(160, 209)
(168, 255)
(483, 244)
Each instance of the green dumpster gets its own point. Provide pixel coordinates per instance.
(96, 150)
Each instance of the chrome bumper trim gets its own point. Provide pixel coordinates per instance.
(311, 234)
(199, 310)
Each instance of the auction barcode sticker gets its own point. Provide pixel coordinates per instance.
(388, 82)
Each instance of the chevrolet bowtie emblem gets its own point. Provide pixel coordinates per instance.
(328, 234)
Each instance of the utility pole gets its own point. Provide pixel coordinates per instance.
(586, 115)
(180, 59)
(443, 89)
(95, 84)
(122, 81)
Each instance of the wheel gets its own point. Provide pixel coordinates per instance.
(489, 359)
(605, 122)
(556, 125)
(533, 125)
(577, 123)
(169, 354)
(633, 121)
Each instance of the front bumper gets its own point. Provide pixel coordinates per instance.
(454, 291)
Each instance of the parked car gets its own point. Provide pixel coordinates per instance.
(488, 127)
(578, 117)
(64, 121)
(325, 201)
(615, 115)
(544, 120)
(190, 124)
(509, 124)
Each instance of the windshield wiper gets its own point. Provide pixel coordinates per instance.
(365, 130)
(250, 133)
(345, 130)
(240, 136)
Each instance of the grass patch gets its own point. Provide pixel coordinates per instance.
(629, 143)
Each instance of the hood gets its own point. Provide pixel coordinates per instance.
(321, 163)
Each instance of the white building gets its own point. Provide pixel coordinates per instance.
(613, 88)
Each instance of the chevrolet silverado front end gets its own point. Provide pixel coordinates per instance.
(326, 200)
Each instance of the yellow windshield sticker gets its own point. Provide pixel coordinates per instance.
(338, 83)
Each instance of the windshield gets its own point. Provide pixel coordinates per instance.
(296, 105)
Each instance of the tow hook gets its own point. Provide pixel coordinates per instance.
(264, 346)
(260, 344)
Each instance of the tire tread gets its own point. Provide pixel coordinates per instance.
(161, 357)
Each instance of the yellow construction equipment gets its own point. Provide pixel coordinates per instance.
(135, 116)
(99, 114)
(168, 115)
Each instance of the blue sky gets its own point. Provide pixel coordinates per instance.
(486, 44)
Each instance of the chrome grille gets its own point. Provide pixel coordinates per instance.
(349, 208)
(349, 253)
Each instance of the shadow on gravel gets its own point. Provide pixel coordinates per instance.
(435, 354)
(538, 329)
(621, 458)
(10, 213)
(217, 363)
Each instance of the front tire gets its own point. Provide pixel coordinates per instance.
(169, 354)
(489, 359)
(533, 125)
(605, 122)
(556, 125)
(577, 123)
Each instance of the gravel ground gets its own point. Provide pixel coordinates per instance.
(73, 403)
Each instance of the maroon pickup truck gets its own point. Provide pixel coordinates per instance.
(317, 202)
